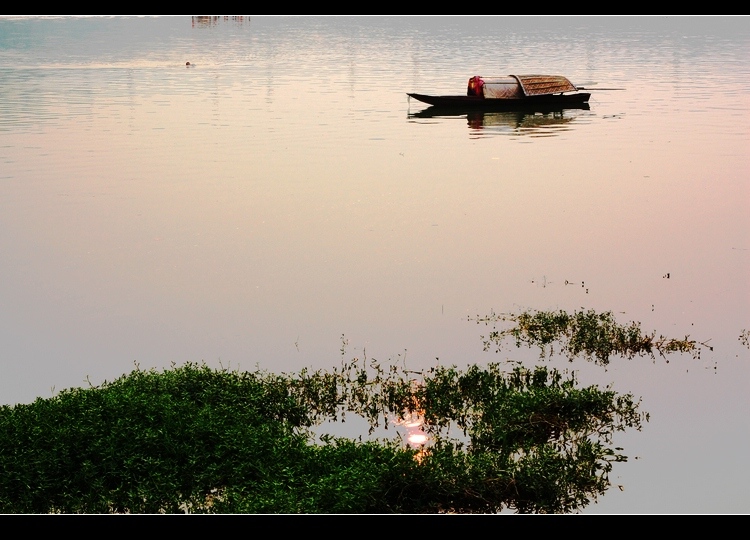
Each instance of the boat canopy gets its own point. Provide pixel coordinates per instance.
(539, 85)
(499, 87)
(519, 86)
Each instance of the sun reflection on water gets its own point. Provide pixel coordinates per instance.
(413, 423)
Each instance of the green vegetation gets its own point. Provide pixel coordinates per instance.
(594, 336)
(196, 439)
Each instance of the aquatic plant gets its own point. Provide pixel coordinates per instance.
(202, 440)
(196, 439)
(593, 336)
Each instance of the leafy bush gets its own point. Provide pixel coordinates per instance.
(201, 440)
(194, 439)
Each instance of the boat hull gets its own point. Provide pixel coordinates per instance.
(488, 104)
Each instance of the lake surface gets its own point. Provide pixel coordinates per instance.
(282, 194)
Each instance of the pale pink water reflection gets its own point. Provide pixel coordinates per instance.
(280, 193)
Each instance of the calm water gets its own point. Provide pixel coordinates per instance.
(283, 192)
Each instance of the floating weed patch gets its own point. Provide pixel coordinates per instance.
(193, 439)
(594, 336)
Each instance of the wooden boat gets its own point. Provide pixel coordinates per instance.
(511, 92)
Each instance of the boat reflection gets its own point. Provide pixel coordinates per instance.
(204, 21)
(516, 122)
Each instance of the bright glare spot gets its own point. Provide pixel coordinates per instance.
(413, 423)
(417, 439)
(410, 420)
